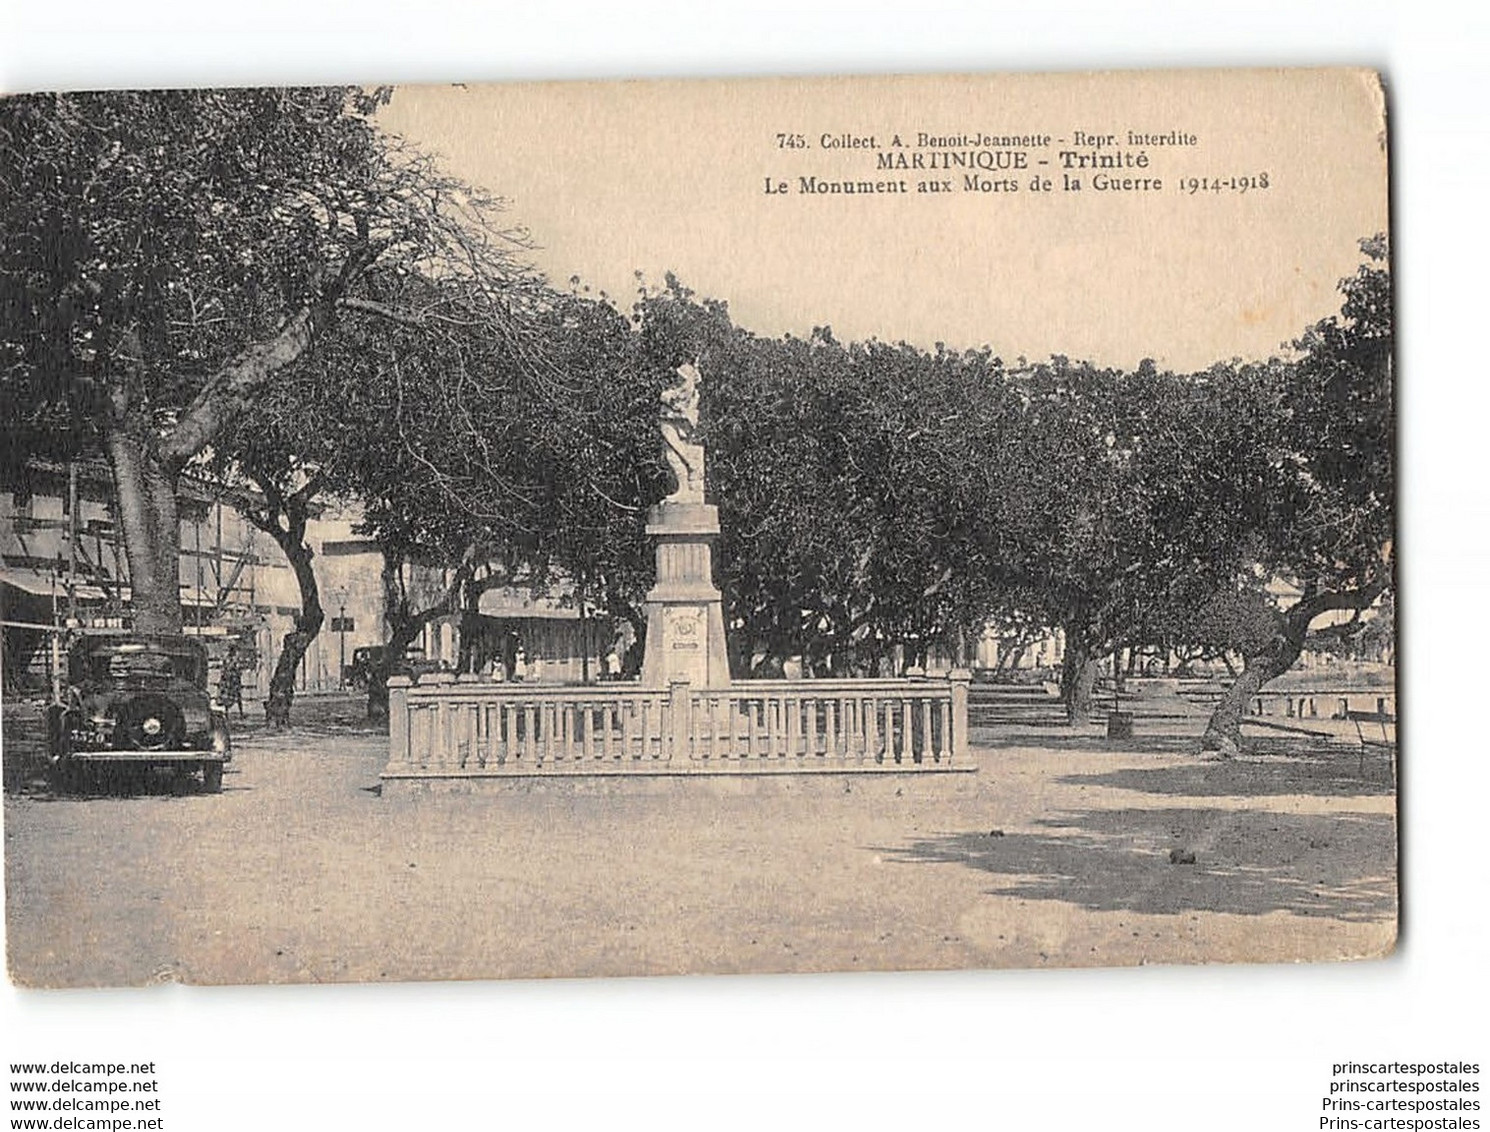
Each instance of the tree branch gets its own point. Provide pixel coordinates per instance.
(233, 384)
(384, 311)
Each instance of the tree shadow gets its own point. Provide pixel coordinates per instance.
(1332, 772)
(1092, 742)
(1245, 862)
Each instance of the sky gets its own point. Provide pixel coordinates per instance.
(656, 176)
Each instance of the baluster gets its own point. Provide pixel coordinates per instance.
(869, 713)
(442, 733)
(831, 720)
(570, 737)
(488, 714)
(430, 710)
(945, 754)
(416, 739)
(418, 744)
(750, 729)
(607, 710)
(530, 732)
(928, 747)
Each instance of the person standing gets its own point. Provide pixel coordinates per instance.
(230, 683)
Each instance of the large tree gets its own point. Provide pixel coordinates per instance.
(1326, 520)
(167, 255)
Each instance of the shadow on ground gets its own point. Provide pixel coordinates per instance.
(1245, 862)
(1335, 773)
(1092, 742)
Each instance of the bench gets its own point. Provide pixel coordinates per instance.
(1377, 731)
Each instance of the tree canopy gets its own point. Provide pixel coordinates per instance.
(167, 253)
(877, 494)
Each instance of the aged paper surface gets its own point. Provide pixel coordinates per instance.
(1183, 219)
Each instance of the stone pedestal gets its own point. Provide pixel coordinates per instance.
(685, 620)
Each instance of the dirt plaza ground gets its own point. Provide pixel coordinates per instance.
(1065, 849)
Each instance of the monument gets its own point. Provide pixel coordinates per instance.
(684, 716)
(685, 617)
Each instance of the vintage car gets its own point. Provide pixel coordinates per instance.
(137, 703)
(366, 659)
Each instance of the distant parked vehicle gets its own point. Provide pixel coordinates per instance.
(137, 702)
(366, 659)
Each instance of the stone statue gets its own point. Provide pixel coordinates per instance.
(679, 423)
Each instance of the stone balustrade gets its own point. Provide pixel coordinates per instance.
(443, 727)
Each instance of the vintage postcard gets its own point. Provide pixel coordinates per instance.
(718, 526)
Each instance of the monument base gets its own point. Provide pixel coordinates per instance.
(685, 615)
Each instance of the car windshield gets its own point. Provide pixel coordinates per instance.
(125, 663)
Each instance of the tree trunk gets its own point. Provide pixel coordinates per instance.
(308, 623)
(1078, 676)
(284, 520)
(404, 625)
(149, 522)
(402, 629)
(1223, 733)
(472, 655)
(400, 637)
(146, 467)
(1078, 686)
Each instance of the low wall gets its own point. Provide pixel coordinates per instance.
(441, 727)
